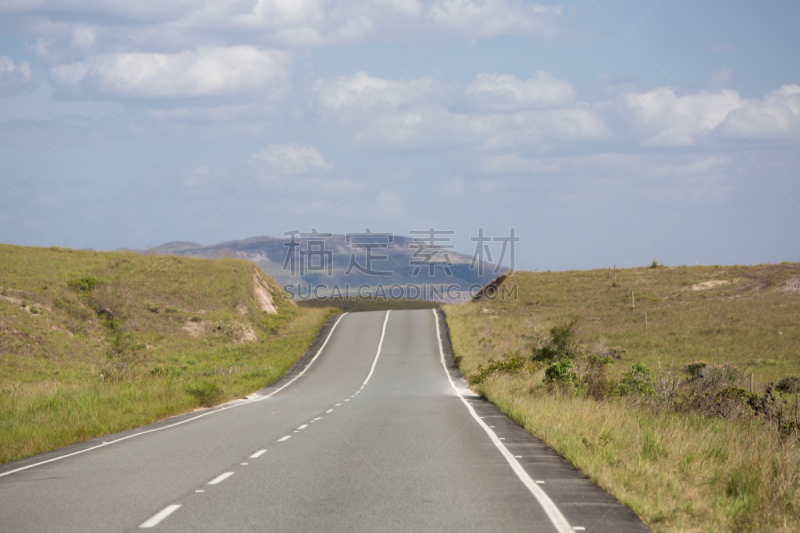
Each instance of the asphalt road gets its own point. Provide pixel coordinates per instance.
(372, 432)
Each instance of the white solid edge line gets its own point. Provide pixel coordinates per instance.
(220, 478)
(159, 516)
(547, 504)
(246, 402)
(378, 353)
(258, 454)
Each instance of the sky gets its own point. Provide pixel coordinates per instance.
(603, 132)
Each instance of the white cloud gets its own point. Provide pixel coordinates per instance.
(14, 75)
(233, 69)
(664, 118)
(502, 93)
(484, 19)
(776, 115)
(388, 204)
(292, 158)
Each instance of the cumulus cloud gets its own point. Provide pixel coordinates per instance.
(665, 118)
(776, 115)
(292, 158)
(14, 75)
(502, 93)
(209, 71)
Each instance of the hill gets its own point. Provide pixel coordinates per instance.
(399, 265)
(94, 343)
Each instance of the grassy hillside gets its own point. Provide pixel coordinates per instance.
(687, 452)
(93, 343)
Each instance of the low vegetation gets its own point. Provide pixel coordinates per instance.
(94, 343)
(659, 413)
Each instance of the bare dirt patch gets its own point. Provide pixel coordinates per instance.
(264, 295)
(708, 284)
(792, 285)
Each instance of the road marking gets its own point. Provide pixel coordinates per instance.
(258, 454)
(347, 400)
(159, 516)
(318, 418)
(579, 528)
(553, 512)
(517, 457)
(329, 411)
(287, 437)
(199, 490)
(378, 353)
(220, 478)
(257, 399)
(338, 404)
(304, 426)
(245, 464)
(540, 482)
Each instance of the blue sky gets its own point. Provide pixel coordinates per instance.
(603, 132)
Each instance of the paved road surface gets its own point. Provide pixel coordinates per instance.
(372, 435)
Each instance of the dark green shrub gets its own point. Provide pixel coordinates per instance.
(84, 284)
(789, 384)
(560, 373)
(561, 345)
(638, 381)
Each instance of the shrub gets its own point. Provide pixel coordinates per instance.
(84, 284)
(638, 381)
(788, 384)
(597, 382)
(560, 373)
(561, 344)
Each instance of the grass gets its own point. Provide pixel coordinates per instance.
(679, 471)
(94, 343)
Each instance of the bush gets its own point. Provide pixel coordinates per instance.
(84, 284)
(561, 345)
(788, 384)
(638, 381)
(560, 373)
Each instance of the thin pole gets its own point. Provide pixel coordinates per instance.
(645, 320)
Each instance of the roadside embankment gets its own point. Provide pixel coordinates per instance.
(93, 343)
(659, 413)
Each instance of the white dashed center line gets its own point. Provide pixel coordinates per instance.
(304, 426)
(287, 437)
(159, 516)
(318, 418)
(337, 405)
(220, 478)
(329, 411)
(258, 454)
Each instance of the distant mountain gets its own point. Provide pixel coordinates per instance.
(339, 261)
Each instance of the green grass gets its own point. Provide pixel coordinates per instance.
(94, 343)
(679, 471)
